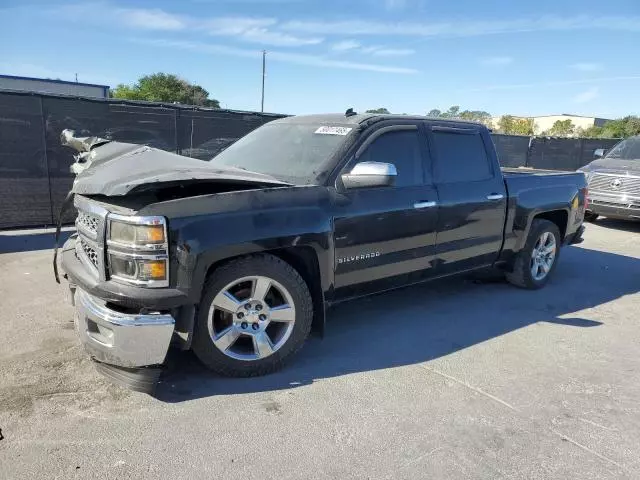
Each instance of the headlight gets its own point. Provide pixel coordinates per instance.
(136, 235)
(138, 250)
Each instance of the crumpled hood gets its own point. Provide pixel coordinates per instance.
(615, 165)
(118, 168)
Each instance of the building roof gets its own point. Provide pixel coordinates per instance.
(65, 82)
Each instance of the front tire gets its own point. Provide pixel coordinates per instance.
(255, 313)
(536, 262)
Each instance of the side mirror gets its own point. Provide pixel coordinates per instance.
(370, 174)
(599, 153)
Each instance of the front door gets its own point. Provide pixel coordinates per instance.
(472, 197)
(385, 236)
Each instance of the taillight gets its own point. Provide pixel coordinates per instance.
(585, 191)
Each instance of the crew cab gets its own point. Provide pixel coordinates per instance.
(237, 258)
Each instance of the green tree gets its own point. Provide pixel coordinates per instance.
(592, 132)
(479, 116)
(510, 125)
(561, 128)
(454, 112)
(164, 87)
(379, 110)
(622, 127)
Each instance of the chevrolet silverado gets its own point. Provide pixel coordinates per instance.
(238, 258)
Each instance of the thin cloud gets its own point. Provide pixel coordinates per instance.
(496, 61)
(249, 29)
(465, 28)
(345, 45)
(554, 83)
(586, 67)
(393, 52)
(231, 25)
(155, 19)
(278, 39)
(375, 50)
(285, 57)
(587, 95)
(106, 13)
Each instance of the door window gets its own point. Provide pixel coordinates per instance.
(402, 148)
(461, 157)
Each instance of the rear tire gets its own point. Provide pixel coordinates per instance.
(257, 348)
(590, 216)
(530, 263)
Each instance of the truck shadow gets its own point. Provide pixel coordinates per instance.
(616, 224)
(424, 322)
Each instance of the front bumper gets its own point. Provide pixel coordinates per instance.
(118, 338)
(615, 206)
(126, 295)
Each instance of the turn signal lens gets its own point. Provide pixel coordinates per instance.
(150, 234)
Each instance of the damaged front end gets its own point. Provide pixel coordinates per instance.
(119, 263)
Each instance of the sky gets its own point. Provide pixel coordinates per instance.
(410, 56)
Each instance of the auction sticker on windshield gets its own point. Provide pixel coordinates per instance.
(333, 130)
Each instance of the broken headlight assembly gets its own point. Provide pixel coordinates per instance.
(138, 250)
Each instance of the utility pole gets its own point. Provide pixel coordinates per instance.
(264, 68)
(76, 78)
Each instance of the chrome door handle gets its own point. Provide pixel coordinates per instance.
(495, 196)
(424, 204)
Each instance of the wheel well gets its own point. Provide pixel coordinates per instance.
(305, 261)
(559, 217)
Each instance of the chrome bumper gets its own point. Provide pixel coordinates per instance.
(121, 339)
(614, 205)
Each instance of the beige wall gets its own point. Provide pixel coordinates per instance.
(541, 124)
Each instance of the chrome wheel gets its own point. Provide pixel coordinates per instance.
(543, 256)
(251, 318)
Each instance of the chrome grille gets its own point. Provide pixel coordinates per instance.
(612, 183)
(90, 252)
(90, 224)
(88, 221)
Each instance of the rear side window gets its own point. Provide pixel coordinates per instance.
(402, 148)
(461, 157)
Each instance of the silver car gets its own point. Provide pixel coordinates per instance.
(614, 181)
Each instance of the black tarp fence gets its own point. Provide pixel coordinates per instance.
(35, 171)
(34, 167)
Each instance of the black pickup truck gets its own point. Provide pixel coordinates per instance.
(238, 258)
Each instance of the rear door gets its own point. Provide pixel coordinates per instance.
(472, 197)
(385, 236)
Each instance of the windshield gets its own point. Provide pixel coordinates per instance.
(287, 151)
(628, 149)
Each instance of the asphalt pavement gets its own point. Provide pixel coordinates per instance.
(460, 378)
